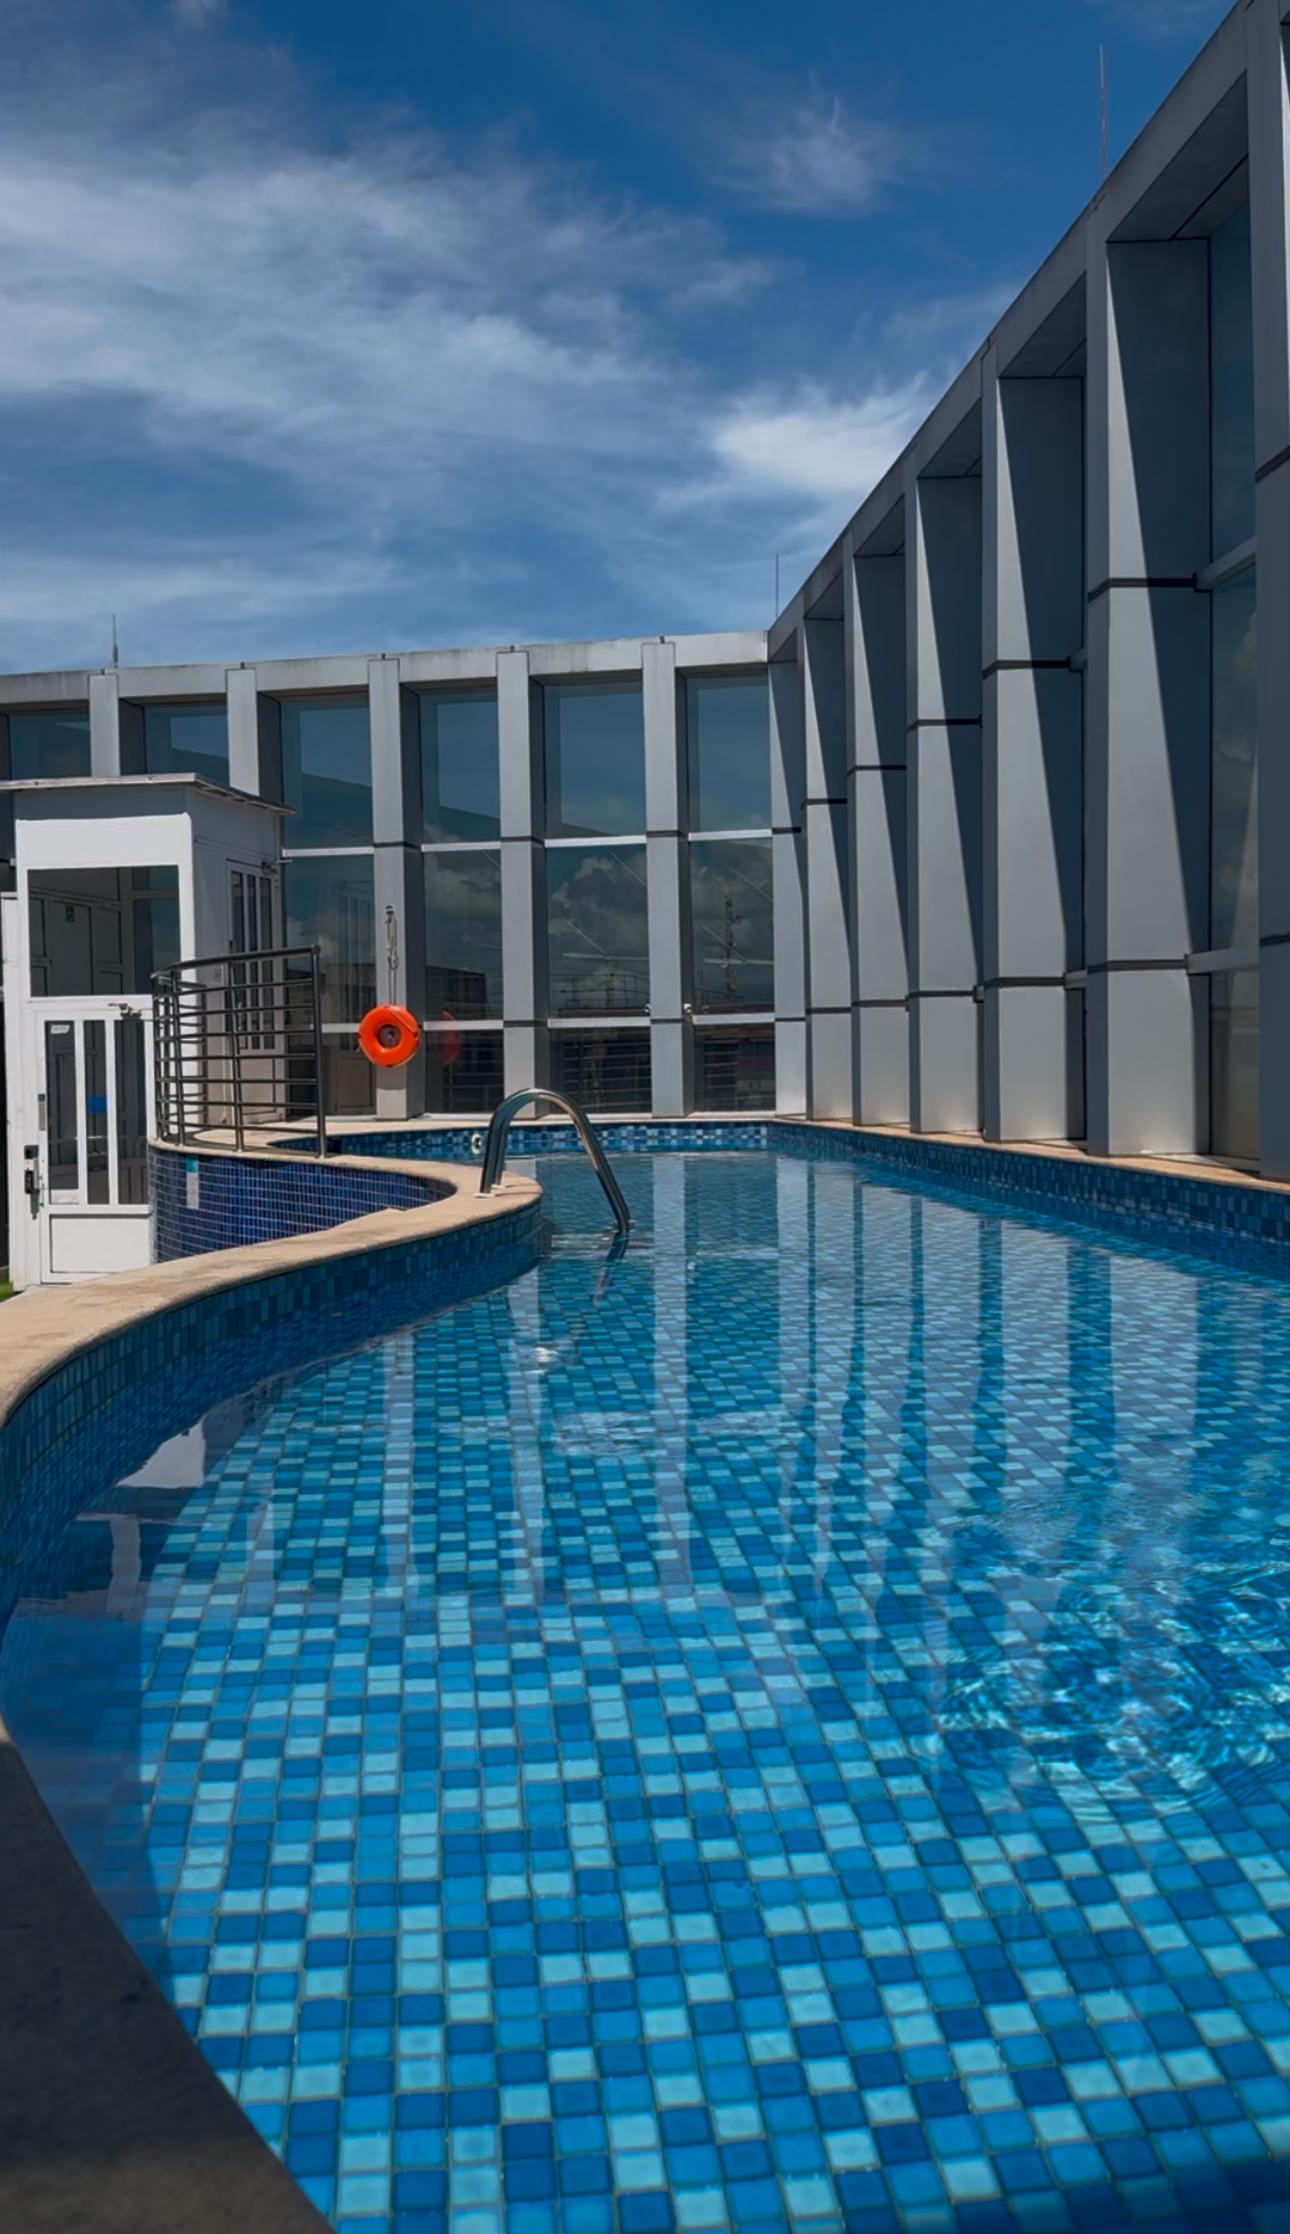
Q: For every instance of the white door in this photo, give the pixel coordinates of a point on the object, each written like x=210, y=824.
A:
x=91, y=1068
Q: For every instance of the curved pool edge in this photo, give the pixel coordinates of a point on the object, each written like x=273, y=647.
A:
x=110, y=2115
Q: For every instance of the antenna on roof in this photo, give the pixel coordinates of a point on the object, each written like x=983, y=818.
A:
x=116, y=649
x=1103, y=110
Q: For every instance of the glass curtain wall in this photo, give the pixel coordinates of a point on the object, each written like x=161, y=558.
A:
x=731, y=960
x=462, y=868
x=329, y=877
x=329, y=903
x=1234, y=867
x=187, y=740
x=594, y=752
x=327, y=772
x=49, y=745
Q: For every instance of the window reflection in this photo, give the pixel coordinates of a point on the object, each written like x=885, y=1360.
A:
x=187, y=740
x=734, y=1069
x=463, y=1072
x=597, y=929
x=732, y=917
x=331, y=905
x=602, y=1070
x=459, y=766
x=727, y=732
x=327, y=772
x=594, y=736
x=463, y=934
x=48, y=745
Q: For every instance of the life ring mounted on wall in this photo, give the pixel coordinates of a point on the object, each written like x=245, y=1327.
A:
x=389, y=1036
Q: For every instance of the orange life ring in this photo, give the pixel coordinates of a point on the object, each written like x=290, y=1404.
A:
x=389, y=1037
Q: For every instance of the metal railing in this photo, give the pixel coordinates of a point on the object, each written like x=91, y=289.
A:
x=239, y=1044
x=499, y=1132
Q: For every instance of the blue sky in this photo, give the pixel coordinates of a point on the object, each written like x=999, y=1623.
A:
x=333, y=326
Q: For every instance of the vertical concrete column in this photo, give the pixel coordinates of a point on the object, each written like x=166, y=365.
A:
x=943, y=657
x=788, y=887
x=1269, y=122
x=1147, y=714
x=1033, y=748
x=524, y=961
x=254, y=736
x=116, y=729
x=667, y=867
x=873, y=616
x=824, y=822
x=400, y=885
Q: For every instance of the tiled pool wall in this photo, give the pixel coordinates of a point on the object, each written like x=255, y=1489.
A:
x=106, y=1410
x=208, y=1201
x=1227, y=1220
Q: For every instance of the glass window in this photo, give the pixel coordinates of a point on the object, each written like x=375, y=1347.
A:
x=463, y=934
x=1234, y=816
x=1231, y=351
x=63, y=1138
x=348, y=1078
x=731, y=917
x=48, y=745
x=332, y=905
x=101, y=930
x=595, y=759
x=187, y=741
x=97, y=1173
x=602, y=1070
x=131, y=1110
x=1234, y=1064
x=327, y=772
x=727, y=732
x=459, y=766
x=734, y=1069
x=463, y=1073
x=597, y=929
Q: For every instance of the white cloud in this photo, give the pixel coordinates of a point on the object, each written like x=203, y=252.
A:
x=814, y=160
x=317, y=396
x=197, y=13
x=818, y=448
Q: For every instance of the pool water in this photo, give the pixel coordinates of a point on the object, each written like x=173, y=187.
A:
x=786, y=1729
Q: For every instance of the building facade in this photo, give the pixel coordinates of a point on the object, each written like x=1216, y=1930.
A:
x=990, y=834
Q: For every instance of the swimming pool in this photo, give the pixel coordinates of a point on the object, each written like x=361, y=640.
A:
x=786, y=1729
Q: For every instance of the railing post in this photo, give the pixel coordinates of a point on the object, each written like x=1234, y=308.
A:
x=181, y=1084
x=316, y=990
x=236, y=1011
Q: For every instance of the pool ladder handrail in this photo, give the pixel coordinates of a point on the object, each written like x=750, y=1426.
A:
x=499, y=1132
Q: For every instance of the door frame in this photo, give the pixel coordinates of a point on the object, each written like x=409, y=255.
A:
x=73, y=1204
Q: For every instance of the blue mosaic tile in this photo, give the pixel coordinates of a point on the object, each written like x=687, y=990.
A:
x=208, y=1201
x=786, y=1729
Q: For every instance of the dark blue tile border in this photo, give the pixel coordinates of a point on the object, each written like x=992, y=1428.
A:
x=208, y=1201
x=1232, y=1221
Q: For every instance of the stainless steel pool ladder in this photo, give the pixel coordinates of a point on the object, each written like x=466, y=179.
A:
x=499, y=1133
